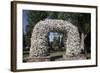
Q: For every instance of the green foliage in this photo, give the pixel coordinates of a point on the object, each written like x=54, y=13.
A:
x=32, y=18
x=52, y=15
x=84, y=23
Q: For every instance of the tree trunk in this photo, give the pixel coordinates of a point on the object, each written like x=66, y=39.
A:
x=82, y=41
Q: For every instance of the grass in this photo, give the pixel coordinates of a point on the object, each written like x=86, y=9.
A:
x=59, y=53
x=52, y=54
x=26, y=53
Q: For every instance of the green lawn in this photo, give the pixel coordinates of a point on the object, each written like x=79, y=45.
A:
x=59, y=53
x=52, y=54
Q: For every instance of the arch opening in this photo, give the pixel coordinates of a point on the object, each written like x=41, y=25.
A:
x=56, y=46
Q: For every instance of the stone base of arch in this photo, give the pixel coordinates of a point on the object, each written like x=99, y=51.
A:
x=39, y=59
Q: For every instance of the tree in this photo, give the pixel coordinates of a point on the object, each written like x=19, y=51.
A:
x=52, y=15
x=81, y=20
x=84, y=25
x=62, y=41
x=55, y=43
x=32, y=18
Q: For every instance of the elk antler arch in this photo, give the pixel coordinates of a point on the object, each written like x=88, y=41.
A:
x=39, y=39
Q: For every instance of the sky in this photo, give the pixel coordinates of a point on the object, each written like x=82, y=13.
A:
x=52, y=35
x=24, y=19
